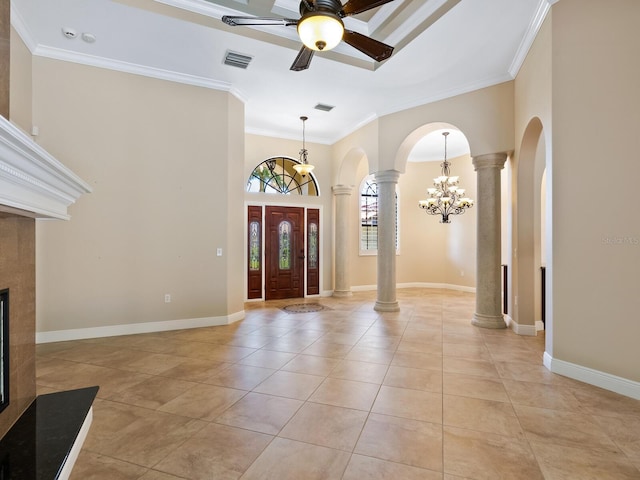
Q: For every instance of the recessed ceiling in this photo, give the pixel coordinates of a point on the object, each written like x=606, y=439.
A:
x=442, y=48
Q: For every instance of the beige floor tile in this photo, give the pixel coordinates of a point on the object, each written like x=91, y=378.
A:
x=597, y=401
x=203, y=401
x=376, y=341
x=568, y=463
x=418, y=360
x=624, y=431
x=208, y=372
x=476, y=352
x=260, y=413
x=467, y=366
x=243, y=377
x=216, y=452
x=483, y=456
x=330, y=350
x=563, y=428
x=361, y=467
x=401, y=440
x=413, y=404
x=312, y=365
x=475, y=387
x=481, y=415
x=371, y=355
x=291, y=345
x=359, y=371
x=325, y=425
x=542, y=395
x=289, y=384
x=156, y=475
x=153, y=392
x=267, y=359
x=346, y=393
x=92, y=466
x=419, y=347
x=195, y=369
x=287, y=459
x=148, y=439
x=414, y=378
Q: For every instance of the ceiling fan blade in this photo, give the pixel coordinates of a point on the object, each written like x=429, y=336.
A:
x=303, y=60
x=237, y=21
x=377, y=50
x=353, y=7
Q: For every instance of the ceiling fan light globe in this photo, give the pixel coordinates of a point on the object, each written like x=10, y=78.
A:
x=320, y=31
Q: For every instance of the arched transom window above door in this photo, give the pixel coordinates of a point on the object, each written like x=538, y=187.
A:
x=277, y=175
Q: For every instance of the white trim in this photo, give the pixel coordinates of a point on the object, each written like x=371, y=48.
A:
x=528, y=330
x=597, y=378
x=447, y=286
x=70, y=461
x=133, y=328
x=31, y=179
x=539, y=325
x=530, y=36
x=21, y=28
x=326, y=293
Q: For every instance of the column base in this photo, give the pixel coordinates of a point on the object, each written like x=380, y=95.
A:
x=386, y=306
x=488, y=321
x=342, y=293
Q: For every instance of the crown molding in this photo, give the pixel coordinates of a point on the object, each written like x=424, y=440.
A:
x=32, y=181
x=20, y=26
x=527, y=41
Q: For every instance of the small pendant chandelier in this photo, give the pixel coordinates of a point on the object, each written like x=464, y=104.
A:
x=445, y=198
x=304, y=167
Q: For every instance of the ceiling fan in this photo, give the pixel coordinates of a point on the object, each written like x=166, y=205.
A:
x=320, y=28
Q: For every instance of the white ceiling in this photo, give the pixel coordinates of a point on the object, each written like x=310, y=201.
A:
x=443, y=48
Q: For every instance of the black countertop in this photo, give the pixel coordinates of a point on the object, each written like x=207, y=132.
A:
x=37, y=445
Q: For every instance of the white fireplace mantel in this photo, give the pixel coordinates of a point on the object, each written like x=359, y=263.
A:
x=32, y=182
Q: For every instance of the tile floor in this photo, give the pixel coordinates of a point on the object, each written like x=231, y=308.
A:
x=345, y=393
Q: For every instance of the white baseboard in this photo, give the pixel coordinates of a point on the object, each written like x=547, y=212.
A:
x=539, y=325
x=447, y=286
x=133, y=328
x=604, y=380
x=528, y=330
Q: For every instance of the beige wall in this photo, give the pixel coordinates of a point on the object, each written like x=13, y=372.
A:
x=596, y=244
x=533, y=128
x=160, y=160
x=21, y=75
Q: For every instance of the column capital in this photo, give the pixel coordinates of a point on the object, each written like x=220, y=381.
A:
x=387, y=176
x=490, y=160
x=342, y=189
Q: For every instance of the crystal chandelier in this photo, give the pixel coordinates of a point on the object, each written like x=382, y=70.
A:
x=445, y=198
x=304, y=167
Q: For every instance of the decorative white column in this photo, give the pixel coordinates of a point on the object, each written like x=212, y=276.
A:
x=386, y=182
x=342, y=287
x=488, y=305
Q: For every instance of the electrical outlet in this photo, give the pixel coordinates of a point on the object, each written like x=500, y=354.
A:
x=219, y=252
x=167, y=298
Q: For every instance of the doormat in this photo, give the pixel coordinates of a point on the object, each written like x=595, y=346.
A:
x=304, y=308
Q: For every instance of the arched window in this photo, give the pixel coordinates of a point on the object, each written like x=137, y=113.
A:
x=369, y=217
x=277, y=175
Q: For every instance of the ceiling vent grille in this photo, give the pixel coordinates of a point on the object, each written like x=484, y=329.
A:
x=235, y=59
x=324, y=107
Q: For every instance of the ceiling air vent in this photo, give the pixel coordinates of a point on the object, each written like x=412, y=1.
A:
x=324, y=107
x=235, y=59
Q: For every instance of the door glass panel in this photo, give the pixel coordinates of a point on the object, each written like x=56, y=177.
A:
x=284, y=245
x=254, y=246
x=313, y=245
